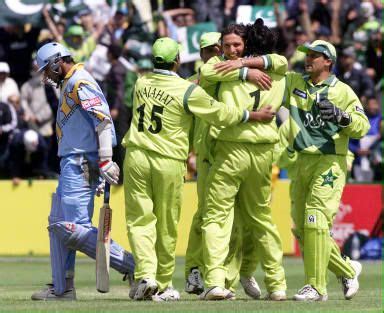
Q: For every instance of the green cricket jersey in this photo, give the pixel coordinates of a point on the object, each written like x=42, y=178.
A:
x=308, y=132
x=163, y=109
x=245, y=95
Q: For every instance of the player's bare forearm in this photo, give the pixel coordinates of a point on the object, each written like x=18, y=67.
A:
x=231, y=65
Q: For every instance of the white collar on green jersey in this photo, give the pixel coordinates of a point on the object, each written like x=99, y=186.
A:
x=165, y=72
x=330, y=81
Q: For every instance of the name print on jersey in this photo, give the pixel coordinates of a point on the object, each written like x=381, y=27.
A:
x=157, y=94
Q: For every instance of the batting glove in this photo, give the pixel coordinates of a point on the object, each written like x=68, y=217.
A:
x=110, y=171
x=330, y=112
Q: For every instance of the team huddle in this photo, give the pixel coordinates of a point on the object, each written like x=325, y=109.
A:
x=230, y=108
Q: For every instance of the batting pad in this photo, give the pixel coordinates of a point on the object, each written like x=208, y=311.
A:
x=58, y=251
x=317, y=249
x=83, y=239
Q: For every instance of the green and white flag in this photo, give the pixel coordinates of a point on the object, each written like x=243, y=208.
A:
x=20, y=12
x=189, y=38
x=248, y=14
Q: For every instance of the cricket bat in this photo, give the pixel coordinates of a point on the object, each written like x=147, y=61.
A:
x=103, y=243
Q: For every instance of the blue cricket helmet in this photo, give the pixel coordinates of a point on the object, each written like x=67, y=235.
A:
x=49, y=53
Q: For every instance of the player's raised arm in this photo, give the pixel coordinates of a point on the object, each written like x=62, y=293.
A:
x=270, y=62
x=210, y=73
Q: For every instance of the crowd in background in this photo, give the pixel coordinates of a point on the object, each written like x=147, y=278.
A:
x=114, y=41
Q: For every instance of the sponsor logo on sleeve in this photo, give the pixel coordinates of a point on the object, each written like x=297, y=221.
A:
x=359, y=109
x=89, y=103
x=300, y=93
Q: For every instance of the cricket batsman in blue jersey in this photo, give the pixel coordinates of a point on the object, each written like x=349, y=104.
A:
x=85, y=135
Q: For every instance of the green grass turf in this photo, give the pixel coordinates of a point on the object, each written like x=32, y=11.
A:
x=19, y=277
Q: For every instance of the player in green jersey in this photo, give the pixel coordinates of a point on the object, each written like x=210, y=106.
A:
x=157, y=148
x=324, y=114
x=241, y=170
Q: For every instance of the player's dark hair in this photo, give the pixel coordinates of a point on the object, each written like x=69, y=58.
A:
x=237, y=29
x=165, y=66
x=260, y=39
x=162, y=65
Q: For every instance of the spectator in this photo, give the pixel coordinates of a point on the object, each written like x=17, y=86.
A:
x=18, y=42
x=114, y=30
x=79, y=43
x=28, y=156
x=366, y=166
x=352, y=74
x=208, y=11
x=296, y=62
x=321, y=18
x=365, y=26
x=85, y=19
x=8, y=122
x=115, y=80
x=374, y=55
x=38, y=112
x=8, y=85
x=135, y=28
x=14, y=101
x=115, y=98
x=177, y=18
x=349, y=15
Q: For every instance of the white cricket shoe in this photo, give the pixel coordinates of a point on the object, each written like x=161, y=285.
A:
x=308, y=293
x=194, y=283
x=169, y=294
x=146, y=288
x=48, y=294
x=217, y=293
x=251, y=287
x=278, y=295
x=351, y=285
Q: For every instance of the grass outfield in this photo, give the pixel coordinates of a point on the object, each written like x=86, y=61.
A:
x=19, y=277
